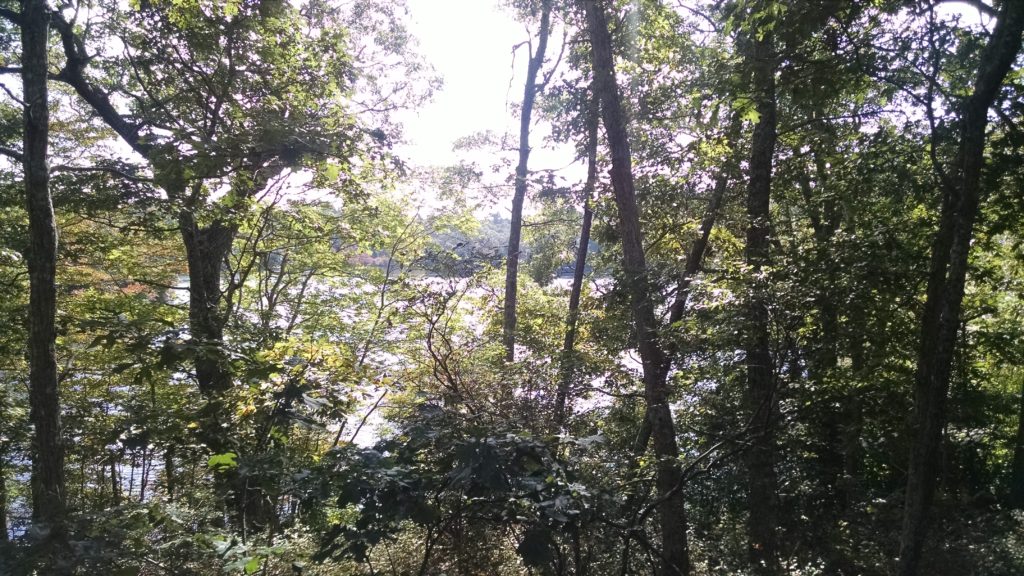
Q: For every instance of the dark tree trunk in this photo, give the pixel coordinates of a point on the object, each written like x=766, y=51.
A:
x=170, y=474
x=853, y=425
x=206, y=249
x=115, y=483
x=4, y=535
x=144, y=479
x=568, y=366
x=669, y=482
x=940, y=321
x=48, y=496
x=522, y=174
x=761, y=397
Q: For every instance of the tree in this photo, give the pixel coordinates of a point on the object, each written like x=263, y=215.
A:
x=572, y=319
x=671, y=511
x=531, y=88
x=941, y=321
x=762, y=393
x=48, y=496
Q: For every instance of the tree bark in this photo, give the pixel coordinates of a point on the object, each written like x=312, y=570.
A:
x=761, y=401
x=522, y=173
x=940, y=321
x=47, y=483
x=115, y=482
x=568, y=365
x=206, y=249
x=4, y=535
x=669, y=482
x=170, y=473
x=48, y=495
x=839, y=414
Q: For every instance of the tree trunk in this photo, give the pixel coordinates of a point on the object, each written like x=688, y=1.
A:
x=206, y=248
x=144, y=479
x=115, y=483
x=568, y=366
x=669, y=482
x=761, y=383
x=940, y=321
x=170, y=477
x=48, y=496
x=4, y=535
x=522, y=173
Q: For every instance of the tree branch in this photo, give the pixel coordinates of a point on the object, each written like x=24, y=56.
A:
x=11, y=16
x=72, y=74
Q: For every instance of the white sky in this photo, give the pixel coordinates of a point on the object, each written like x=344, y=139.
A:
x=469, y=43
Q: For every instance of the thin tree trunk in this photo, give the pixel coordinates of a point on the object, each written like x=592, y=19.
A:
x=695, y=258
x=145, y=474
x=568, y=366
x=131, y=478
x=4, y=536
x=48, y=494
x=669, y=482
x=694, y=262
x=115, y=483
x=522, y=173
x=840, y=414
x=170, y=477
x=762, y=483
x=950, y=250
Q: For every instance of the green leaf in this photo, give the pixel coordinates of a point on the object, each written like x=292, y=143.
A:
x=252, y=565
x=222, y=462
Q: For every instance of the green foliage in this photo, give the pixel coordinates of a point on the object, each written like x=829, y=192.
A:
x=371, y=424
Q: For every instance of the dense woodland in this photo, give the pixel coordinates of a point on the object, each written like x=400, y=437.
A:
x=770, y=323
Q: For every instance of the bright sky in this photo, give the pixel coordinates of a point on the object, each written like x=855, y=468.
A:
x=469, y=42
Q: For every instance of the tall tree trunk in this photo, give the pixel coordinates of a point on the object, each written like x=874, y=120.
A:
x=568, y=365
x=669, y=483
x=522, y=173
x=950, y=250
x=48, y=496
x=762, y=483
x=677, y=310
